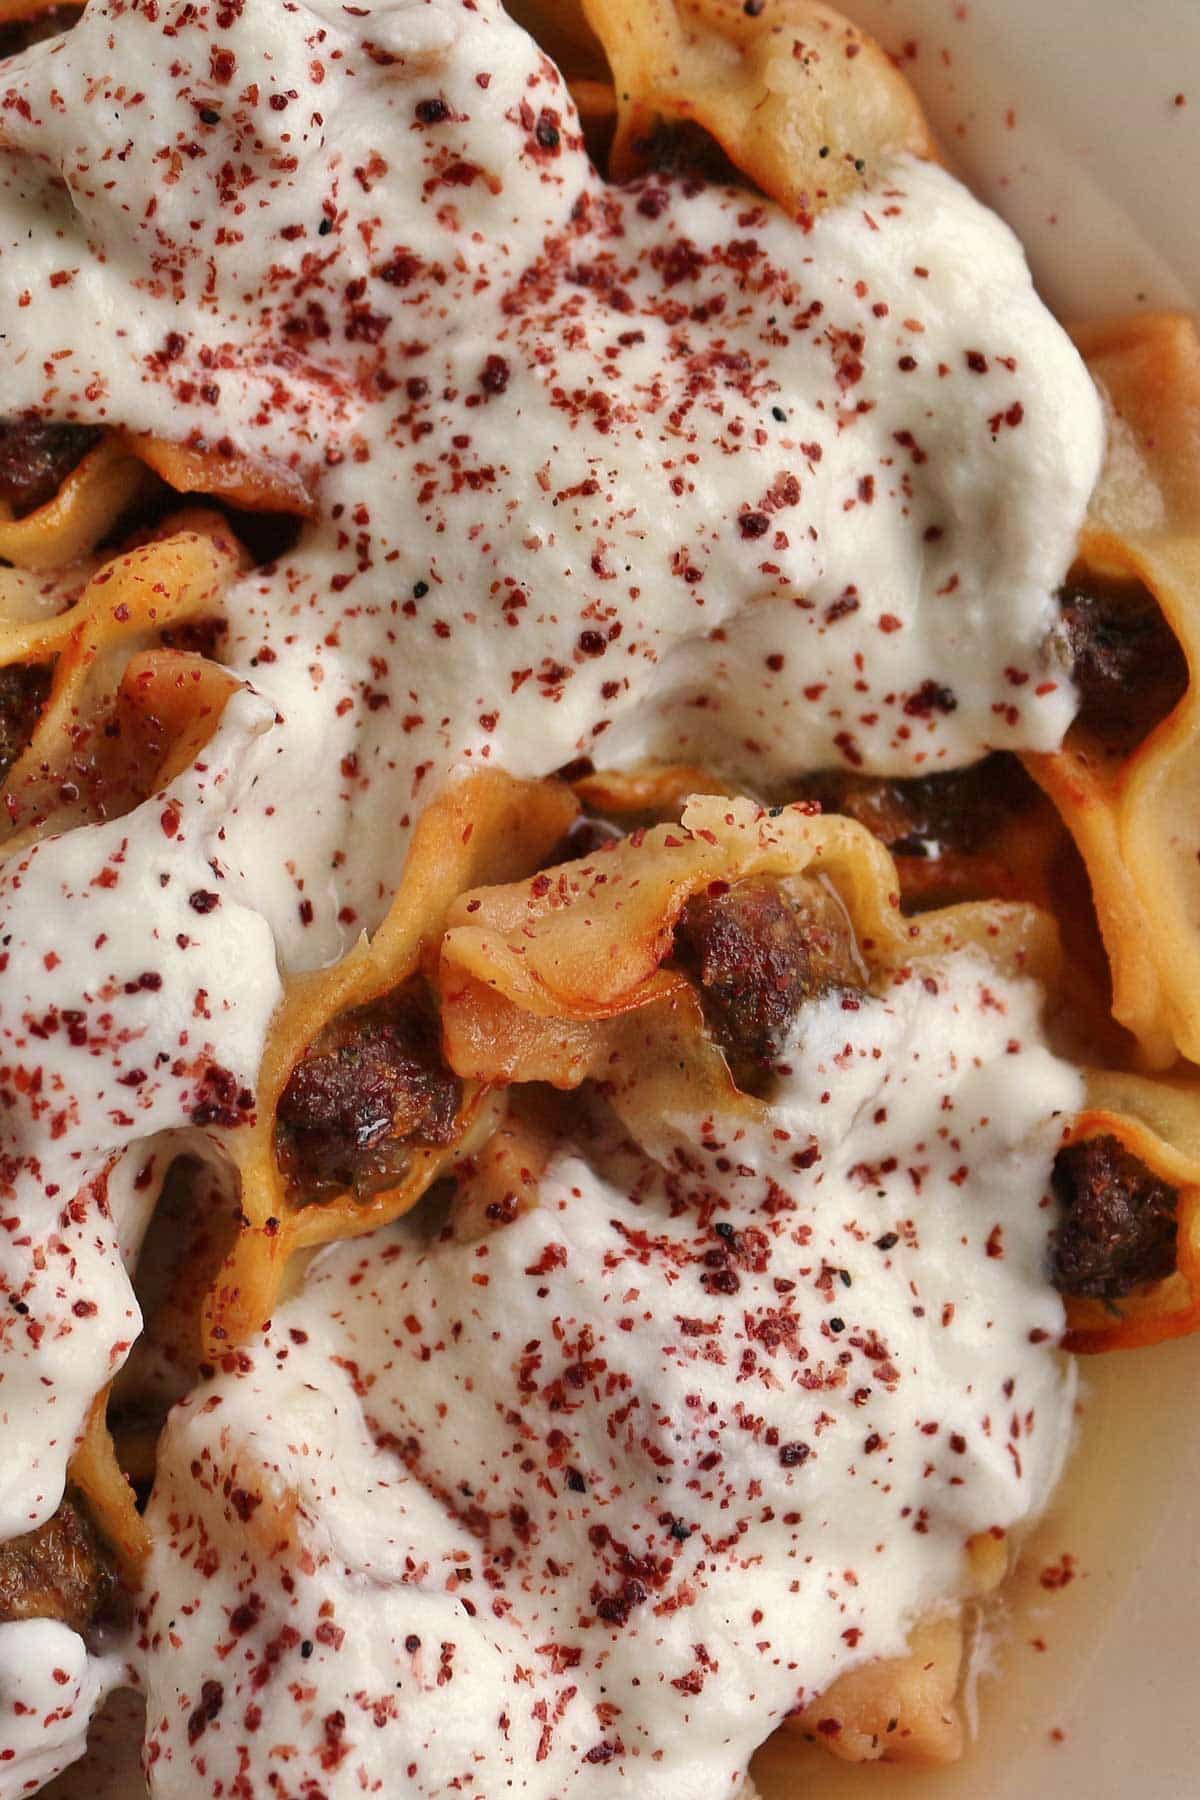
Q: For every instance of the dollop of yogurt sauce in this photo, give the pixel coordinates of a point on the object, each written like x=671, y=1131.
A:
x=589, y=1505
x=617, y=473
x=49, y=1688
x=599, y=472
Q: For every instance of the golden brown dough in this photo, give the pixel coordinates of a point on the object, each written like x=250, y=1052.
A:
x=801, y=101
x=901, y=1711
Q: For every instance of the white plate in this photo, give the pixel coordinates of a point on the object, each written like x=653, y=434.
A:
x=1062, y=115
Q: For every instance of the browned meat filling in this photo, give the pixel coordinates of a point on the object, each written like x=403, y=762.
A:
x=1128, y=664
x=758, y=951
x=23, y=690
x=576, y=769
x=36, y=457
x=60, y=1571
x=267, y=536
x=585, y=837
x=681, y=147
x=1119, y=1222
x=932, y=814
x=373, y=1085
x=202, y=637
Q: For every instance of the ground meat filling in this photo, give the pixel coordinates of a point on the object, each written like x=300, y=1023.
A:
x=1119, y=1222
x=584, y=838
x=23, y=691
x=372, y=1087
x=36, y=457
x=758, y=951
x=60, y=1571
x=1127, y=662
x=199, y=637
x=680, y=147
x=933, y=815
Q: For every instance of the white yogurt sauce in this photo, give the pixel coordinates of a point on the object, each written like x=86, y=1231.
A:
x=126, y=1009
x=596, y=472
x=588, y=1506
x=49, y=1689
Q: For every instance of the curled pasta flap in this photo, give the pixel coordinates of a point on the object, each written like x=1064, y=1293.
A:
x=500, y=1182
x=105, y=658
x=1146, y=366
x=906, y=1709
x=256, y=483
x=1156, y=808
x=536, y=976
x=653, y=792
x=485, y=827
x=98, y=1475
x=897, y=1709
x=125, y=467
x=1159, y=1122
x=29, y=597
x=166, y=707
x=775, y=90
x=86, y=507
x=1132, y=815
x=150, y=586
